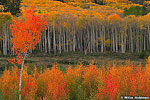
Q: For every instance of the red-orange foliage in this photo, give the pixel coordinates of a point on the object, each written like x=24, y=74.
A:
x=26, y=33
x=114, y=18
x=56, y=85
x=92, y=79
x=110, y=89
x=29, y=86
x=9, y=83
x=78, y=83
x=51, y=85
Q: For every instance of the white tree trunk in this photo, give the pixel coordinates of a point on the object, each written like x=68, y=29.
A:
x=54, y=40
x=45, y=41
x=49, y=41
x=4, y=39
x=22, y=65
x=60, y=41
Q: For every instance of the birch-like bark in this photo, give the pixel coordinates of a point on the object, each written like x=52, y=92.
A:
x=49, y=40
x=140, y=37
x=64, y=40
x=40, y=44
x=45, y=41
x=131, y=40
x=22, y=65
x=122, y=43
x=60, y=41
x=91, y=42
x=67, y=40
x=81, y=42
x=116, y=39
x=97, y=40
x=144, y=42
x=54, y=40
x=93, y=38
x=74, y=40
x=8, y=41
x=102, y=44
x=137, y=40
x=113, y=41
x=4, y=39
x=104, y=36
x=125, y=42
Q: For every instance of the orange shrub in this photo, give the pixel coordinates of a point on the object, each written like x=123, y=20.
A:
x=92, y=78
x=56, y=85
x=90, y=82
x=29, y=86
x=110, y=89
x=73, y=79
x=51, y=85
x=9, y=84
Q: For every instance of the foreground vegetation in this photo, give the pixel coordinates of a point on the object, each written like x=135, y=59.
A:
x=89, y=82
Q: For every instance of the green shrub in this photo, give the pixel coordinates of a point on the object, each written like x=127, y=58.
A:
x=143, y=55
x=135, y=10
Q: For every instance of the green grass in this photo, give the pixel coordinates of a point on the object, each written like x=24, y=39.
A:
x=74, y=58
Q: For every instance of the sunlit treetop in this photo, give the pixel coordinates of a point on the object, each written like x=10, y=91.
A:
x=5, y=18
x=114, y=18
x=147, y=17
x=131, y=20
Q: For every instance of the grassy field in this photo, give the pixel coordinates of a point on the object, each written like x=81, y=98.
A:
x=74, y=58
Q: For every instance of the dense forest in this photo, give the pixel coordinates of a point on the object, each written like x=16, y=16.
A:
x=116, y=26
